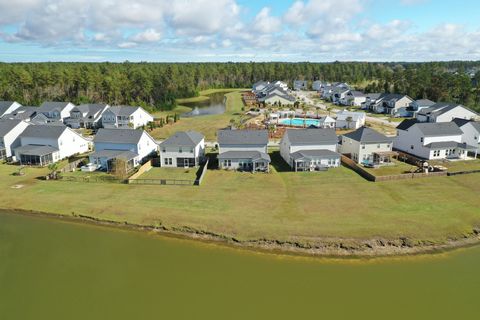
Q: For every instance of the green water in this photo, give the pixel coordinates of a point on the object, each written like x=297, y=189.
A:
x=51, y=269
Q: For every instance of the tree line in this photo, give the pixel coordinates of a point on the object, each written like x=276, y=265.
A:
x=158, y=85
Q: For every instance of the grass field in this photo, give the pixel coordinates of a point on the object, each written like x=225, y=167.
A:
x=459, y=166
x=398, y=168
x=170, y=173
x=208, y=125
x=282, y=205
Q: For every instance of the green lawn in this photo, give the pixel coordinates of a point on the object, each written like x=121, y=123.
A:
x=170, y=173
x=459, y=166
x=208, y=125
x=284, y=205
x=398, y=168
x=81, y=174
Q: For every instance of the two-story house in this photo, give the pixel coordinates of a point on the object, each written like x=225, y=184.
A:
x=10, y=131
x=183, y=149
x=353, y=98
x=41, y=145
x=125, y=117
x=350, y=120
x=244, y=150
x=432, y=140
x=392, y=104
x=55, y=111
x=300, y=85
x=132, y=146
x=86, y=116
x=418, y=105
x=7, y=107
x=471, y=133
x=367, y=146
x=310, y=149
x=446, y=112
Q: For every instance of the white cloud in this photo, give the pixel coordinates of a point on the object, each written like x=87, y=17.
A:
x=265, y=23
x=127, y=45
x=149, y=35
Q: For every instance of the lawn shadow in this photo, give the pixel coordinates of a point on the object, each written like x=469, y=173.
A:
x=278, y=163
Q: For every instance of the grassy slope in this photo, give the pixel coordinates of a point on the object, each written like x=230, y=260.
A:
x=208, y=125
x=280, y=205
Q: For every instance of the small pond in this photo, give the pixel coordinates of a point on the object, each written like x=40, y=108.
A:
x=212, y=106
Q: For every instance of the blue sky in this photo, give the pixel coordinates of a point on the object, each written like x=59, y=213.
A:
x=239, y=30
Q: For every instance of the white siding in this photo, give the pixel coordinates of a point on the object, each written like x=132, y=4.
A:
x=11, y=140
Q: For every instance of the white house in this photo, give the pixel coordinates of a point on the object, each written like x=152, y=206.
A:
x=7, y=107
x=392, y=104
x=86, y=116
x=370, y=100
x=446, y=112
x=125, y=117
x=55, y=111
x=419, y=105
x=132, y=146
x=10, y=131
x=350, y=120
x=432, y=141
x=278, y=99
x=339, y=94
x=45, y=144
x=367, y=146
x=259, y=86
x=327, y=122
x=183, y=149
x=353, y=98
x=471, y=133
x=318, y=85
x=310, y=149
x=245, y=150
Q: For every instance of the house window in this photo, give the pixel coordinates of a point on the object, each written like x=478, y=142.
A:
x=436, y=153
x=164, y=150
x=421, y=140
x=378, y=146
x=180, y=150
x=363, y=146
x=412, y=147
x=168, y=161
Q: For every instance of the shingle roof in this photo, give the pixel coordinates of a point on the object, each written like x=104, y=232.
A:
x=243, y=137
x=448, y=145
x=367, y=135
x=439, y=128
x=4, y=105
x=90, y=109
x=343, y=115
x=425, y=102
x=406, y=124
x=52, y=105
x=43, y=131
x=253, y=155
x=184, y=138
x=314, y=154
x=311, y=136
x=7, y=125
x=441, y=108
x=35, y=150
x=123, y=110
x=461, y=122
x=119, y=136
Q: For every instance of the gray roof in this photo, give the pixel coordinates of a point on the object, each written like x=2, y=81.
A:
x=52, y=105
x=184, y=138
x=114, y=154
x=314, y=154
x=367, y=135
x=90, y=109
x=441, y=108
x=7, y=125
x=392, y=96
x=461, y=122
x=311, y=136
x=253, y=155
x=127, y=136
x=357, y=93
x=243, y=137
x=35, y=150
x=373, y=96
x=274, y=94
x=430, y=129
x=43, y=131
x=448, y=145
x=425, y=102
x=123, y=110
x=4, y=105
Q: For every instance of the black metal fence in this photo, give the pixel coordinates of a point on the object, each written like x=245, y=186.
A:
x=92, y=179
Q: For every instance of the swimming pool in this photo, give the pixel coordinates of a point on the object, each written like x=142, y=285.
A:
x=299, y=122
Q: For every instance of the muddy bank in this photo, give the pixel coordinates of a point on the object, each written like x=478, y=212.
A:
x=321, y=247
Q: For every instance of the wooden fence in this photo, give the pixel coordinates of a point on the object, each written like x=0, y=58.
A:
x=203, y=172
x=462, y=172
x=162, y=182
x=370, y=177
x=71, y=166
x=92, y=179
x=144, y=168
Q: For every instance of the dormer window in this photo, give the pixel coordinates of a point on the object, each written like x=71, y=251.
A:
x=421, y=139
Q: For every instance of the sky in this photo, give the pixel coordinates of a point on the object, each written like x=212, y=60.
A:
x=239, y=30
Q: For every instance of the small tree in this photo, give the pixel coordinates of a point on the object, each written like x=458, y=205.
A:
x=53, y=167
x=120, y=168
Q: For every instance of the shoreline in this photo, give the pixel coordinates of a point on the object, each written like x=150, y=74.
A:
x=337, y=248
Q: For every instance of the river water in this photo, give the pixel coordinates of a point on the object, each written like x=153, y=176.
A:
x=51, y=269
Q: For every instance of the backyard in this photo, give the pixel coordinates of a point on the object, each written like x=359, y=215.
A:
x=170, y=173
x=396, y=168
x=282, y=205
x=458, y=166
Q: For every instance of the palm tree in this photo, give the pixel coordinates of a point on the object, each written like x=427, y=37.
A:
x=304, y=111
x=318, y=110
x=291, y=115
